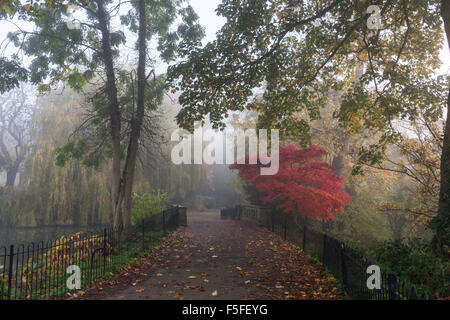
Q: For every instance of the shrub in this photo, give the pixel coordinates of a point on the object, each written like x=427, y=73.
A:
x=414, y=262
x=148, y=204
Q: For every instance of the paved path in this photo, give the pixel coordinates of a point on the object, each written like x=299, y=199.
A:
x=219, y=259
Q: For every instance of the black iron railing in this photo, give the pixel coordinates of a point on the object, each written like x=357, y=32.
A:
x=346, y=264
x=39, y=270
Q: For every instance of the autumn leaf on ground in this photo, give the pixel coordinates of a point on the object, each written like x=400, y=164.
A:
x=274, y=269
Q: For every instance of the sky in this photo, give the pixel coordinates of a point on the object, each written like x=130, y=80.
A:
x=208, y=18
x=212, y=23
x=204, y=8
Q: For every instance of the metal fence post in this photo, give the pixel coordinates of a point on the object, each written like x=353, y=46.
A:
x=10, y=270
x=324, y=249
x=284, y=227
x=164, y=221
x=392, y=281
x=273, y=222
x=104, y=251
x=343, y=266
x=143, y=235
x=304, y=236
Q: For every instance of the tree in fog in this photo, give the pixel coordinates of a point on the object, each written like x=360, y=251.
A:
x=92, y=51
x=16, y=110
x=298, y=50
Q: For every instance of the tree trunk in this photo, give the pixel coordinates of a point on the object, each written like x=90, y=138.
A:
x=441, y=223
x=338, y=164
x=114, y=116
x=11, y=175
x=77, y=178
x=136, y=122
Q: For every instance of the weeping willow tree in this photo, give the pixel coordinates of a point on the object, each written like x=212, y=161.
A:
x=49, y=194
x=77, y=194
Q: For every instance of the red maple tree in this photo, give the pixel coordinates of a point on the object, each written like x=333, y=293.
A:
x=303, y=184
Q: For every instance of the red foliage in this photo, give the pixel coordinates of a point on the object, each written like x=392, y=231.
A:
x=303, y=184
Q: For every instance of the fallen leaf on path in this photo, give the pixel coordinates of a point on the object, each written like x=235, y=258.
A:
x=214, y=294
x=140, y=290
